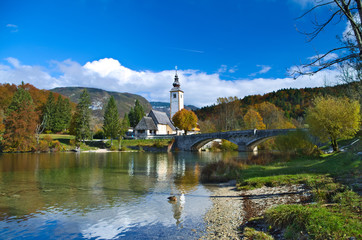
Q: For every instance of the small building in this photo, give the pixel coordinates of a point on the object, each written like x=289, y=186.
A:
x=155, y=124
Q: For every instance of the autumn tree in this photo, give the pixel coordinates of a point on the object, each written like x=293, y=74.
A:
x=351, y=49
x=185, y=120
x=20, y=123
x=229, y=113
x=331, y=118
x=273, y=117
x=207, y=126
x=82, y=117
x=111, y=123
x=253, y=120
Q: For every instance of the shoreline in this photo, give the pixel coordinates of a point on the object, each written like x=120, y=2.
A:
x=232, y=209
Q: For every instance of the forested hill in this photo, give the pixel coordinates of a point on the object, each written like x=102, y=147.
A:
x=293, y=102
x=99, y=97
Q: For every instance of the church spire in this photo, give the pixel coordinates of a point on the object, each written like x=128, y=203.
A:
x=176, y=83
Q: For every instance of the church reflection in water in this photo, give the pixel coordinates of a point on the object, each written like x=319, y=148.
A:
x=131, y=189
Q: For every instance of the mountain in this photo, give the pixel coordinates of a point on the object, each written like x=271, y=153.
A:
x=165, y=107
x=99, y=98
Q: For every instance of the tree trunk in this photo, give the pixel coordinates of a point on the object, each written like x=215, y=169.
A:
x=335, y=145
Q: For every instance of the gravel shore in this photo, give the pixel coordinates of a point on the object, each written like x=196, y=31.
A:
x=232, y=209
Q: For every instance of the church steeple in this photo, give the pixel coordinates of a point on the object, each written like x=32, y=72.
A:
x=176, y=96
x=176, y=83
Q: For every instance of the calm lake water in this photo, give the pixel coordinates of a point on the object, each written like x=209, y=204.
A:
x=103, y=195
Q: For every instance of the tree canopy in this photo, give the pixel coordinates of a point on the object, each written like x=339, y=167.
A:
x=331, y=118
x=185, y=120
x=136, y=114
x=20, y=123
x=253, y=120
x=82, y=117
x=111, y=123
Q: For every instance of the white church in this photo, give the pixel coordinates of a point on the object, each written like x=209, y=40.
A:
x=158, y=124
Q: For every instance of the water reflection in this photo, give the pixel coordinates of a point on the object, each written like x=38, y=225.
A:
x=102, y=195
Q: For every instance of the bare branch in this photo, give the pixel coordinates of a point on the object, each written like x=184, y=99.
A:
x=315, y=7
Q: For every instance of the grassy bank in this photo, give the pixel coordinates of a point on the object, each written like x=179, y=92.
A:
x=335, y=210
x=67, y=142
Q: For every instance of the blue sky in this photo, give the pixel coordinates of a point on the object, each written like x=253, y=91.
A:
x=222, y=48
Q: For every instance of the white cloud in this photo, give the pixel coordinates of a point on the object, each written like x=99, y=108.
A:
x=264, y=69
x=200, y=88
x=13, y=27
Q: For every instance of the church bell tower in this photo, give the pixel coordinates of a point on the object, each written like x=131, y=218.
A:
x=176, y=97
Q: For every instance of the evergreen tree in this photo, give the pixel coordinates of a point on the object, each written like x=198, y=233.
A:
x=111, y=124
x=62, y=115
x=124, y=125
x=20, y=123
x=67, y=113
x=82, y=117
x=49, y=112
x=136, y=114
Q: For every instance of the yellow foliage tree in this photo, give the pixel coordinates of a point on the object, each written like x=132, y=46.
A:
x=273, y=117
x=185, y=120
x=331, y=118
x=253, y=120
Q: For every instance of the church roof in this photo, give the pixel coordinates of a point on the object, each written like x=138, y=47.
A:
x=146, y=123
x=161, y=118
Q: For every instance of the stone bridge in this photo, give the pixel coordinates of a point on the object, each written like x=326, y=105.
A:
x=246, y=140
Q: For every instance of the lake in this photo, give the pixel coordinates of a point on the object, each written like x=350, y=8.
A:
x=103, y=195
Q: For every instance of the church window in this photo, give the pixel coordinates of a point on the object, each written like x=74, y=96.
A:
x=174, y=95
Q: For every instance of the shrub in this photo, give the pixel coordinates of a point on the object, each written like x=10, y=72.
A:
x=72, y=142
x=158, y=144
x=56, y=146
x=113, y=148
x=43, y=146
x=297, y=142
x=99, y=134
x=228, y=146
x=108, y=144
x=48, y=139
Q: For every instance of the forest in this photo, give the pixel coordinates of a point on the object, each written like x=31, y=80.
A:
x=285, y=108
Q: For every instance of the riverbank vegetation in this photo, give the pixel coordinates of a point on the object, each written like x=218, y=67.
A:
x=334, y=181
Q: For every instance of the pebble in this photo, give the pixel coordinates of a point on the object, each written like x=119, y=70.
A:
x=228, y=213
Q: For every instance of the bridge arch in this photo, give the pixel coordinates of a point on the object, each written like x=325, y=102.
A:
x=197, y=145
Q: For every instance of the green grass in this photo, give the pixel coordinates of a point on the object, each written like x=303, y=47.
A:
x=57, y=136
x=252, y=234
x=337, y=164
x=337, y=210
x=146, y=142
x=315, y=221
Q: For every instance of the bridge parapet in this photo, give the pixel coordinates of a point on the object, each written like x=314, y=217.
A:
x=246, y=139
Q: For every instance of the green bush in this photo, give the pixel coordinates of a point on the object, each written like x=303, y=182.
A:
x=228, y=146
x=108, y=144
x=99, y=135
x=113, y=148
x=297, y=143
